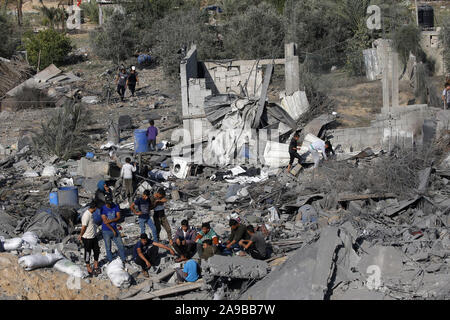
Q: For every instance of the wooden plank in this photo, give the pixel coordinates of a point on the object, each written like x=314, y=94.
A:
x=352, y=197
x=168, y=291
x=262, y=98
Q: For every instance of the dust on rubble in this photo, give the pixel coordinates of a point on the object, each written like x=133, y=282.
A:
x=48, y=284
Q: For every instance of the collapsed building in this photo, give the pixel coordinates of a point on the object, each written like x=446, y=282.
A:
x=326, y=243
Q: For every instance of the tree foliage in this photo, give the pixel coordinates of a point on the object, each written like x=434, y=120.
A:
x=180, y=29
x=115, y=39
x=255, y=33
x=62, y=134
x=9, y=37
x=46, y=47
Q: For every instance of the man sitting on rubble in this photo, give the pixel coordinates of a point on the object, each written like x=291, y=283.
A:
x=256, y=246
x=208, y=249
x=145, y=253
x=189, y=273
x=144, y=206
x=238, y=233
x=206, y=233
x=184, y=241
x=316, y=148
x=88, y=235
x=293, y=154
x=110, y=216
x=159, y=216
x=103, y=194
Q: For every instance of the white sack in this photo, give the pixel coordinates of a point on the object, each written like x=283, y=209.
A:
x=12, y=244
x=117, y=274
x=39, y=260
x=67, y=266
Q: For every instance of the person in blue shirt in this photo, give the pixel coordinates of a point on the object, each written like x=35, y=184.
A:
x=144, y=205
x=111, y=215
x=189, y=273
x=146, y=251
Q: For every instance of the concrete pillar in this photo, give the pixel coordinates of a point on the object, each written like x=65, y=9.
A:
x=291, y=68
x=100, y=15
x=394, y=64
x=385, y=80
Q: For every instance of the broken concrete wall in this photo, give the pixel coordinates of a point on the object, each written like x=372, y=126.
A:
x=429, y=42
x=90, y=169
x=373, y=70
x=404, y=126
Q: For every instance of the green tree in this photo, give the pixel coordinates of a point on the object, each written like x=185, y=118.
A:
x=181, y=29
x=115, y=39
x=9, y=37
x=46, y=47
x=62, y=134
x=256, y=33
x=406, y=39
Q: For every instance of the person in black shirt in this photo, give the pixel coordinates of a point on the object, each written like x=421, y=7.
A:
x=293, y=147
x=132, y=80
x=145, y=253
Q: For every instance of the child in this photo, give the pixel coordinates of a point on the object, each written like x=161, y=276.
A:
x=152, y=132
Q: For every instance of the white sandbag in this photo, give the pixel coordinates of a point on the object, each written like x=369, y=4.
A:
x=12, y=244
x=34, y=261
x=117, y=274
x=67, y=266
x=30, y=238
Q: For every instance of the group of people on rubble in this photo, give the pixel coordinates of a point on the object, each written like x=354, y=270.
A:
x=185, y=243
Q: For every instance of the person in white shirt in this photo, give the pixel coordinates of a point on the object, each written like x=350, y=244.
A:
x=446, y=95
x=127, y=175
x=316, y=148
x=88, y=236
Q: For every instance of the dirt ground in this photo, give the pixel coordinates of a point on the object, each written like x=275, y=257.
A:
x=47, y=284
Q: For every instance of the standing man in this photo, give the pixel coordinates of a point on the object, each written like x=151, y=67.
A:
x=88, y=236
x=446, y=95
x=293, y=154
x=132, y=80
x=159, y=216
x=184, y=241
x=145, y=253
x=238, y=233
x=256, y=246
x=126, y=173
x=144, y=205
x=316, y=148
x=206, y=233
x=121, y=81
x=110, y=216
x=152, y=132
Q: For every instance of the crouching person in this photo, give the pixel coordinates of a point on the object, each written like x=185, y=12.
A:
x=256, y=246
x=146, y=253
x=88, y=236
x=184, y=241
x=189, y=273
x=207, y=233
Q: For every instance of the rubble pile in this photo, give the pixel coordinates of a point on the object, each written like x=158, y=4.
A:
x=345, y=230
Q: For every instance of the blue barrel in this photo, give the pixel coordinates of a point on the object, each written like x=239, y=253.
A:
x=140, y=141
x=68, y=196
x=53, y=198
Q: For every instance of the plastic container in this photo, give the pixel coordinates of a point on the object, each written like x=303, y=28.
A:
x=68, y=196
x=140, y=141
x=53, y=198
